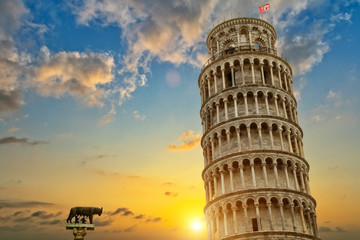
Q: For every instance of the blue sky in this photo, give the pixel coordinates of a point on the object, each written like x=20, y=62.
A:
x=96, y=91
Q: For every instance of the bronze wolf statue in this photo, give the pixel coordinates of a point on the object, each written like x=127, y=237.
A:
x=84, y=211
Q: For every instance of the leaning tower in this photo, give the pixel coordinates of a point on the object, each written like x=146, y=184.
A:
x=255, y=174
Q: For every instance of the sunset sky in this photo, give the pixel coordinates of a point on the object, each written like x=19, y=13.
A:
x=99, y=106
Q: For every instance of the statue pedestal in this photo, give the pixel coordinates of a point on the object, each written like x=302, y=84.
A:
x=80, y=229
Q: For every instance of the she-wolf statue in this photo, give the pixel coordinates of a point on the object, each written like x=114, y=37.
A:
x=84, y=211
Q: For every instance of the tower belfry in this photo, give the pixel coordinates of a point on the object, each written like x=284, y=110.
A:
x=255, y=175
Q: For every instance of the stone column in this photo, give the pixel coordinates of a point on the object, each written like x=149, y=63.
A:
x=295, y=178
x=225, y=211
x=281, y=138
x=252, y=72
x=260, y=137
x=272, y=75
x=235, y=107
x=208, y=152
x=222, y=181
x=217, y=214
x=257, y=215
x=241, y=168
x=270, y=216
x=310, y=223
x=286, y=176
x=262, y=73
x=232, y=76
x=265, y=174
x=307, y=184
x=282, y=216
x=286, y=85
x=256, y=104
x=212, y=229
x=271, y=137
x=220, y=145
x=246, y=217
x=234, y=209
x=296, y=146
x=246, y=105
x=276, y=174
x=226, y=110
x=223, y=77
x=289, y=141
x=303, y=188
x=293, y=217
x=302, y=218
x=279, y=76
x=238, y=39
x=238, y=138
x=284, y=108
x=206, y=192
x=217, y=113
x=212, y=149
x=276, y=106
x=210, y=190
x=242, y=73
x=267, y=104
x=253, y=174
x=231, y=179
x=249, y=136
x=209, y=86
x=215, y=83
x=215, y=185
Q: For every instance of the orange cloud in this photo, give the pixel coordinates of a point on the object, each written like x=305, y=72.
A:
x=189, y=141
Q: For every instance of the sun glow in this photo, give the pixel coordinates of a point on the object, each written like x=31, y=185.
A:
x=197, y=226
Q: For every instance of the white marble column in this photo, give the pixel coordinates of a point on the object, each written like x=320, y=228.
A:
x=246, y=105
x=210, y=190
x=303, y=187
x=279, y=76
x=252, y=165
x=252, y=72
x=286, y=176
x=267, y=104
x=277, y=107
x=256, y=104
x=257, y=215
x=238, y=138
x=293, y=217
x=220, y=145
x=271, y=137
x=231, y=179
x=260, y=137
x=222, y=181
x=241, y=169
x=295, y=178
x=215, y=83
x=235, y=107
x=212, y=149
x=281, y=138
x=289, y=141
x=262, y=73
x=217, y=113
x=282, y=216
x=246, y=220
x=223, y=77
x=226, y=110
x=242, y=73
x=284, y=108
x=249, y=136
x=272, y=75
x=265, y=174
x=276, y=174
x=270, y=216
x=234, y=209
x=225, y=211
x=286, y=85
x=302, y=218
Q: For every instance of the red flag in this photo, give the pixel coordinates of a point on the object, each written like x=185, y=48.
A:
x=264, y=8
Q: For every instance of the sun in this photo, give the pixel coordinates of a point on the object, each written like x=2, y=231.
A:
x=197, y=226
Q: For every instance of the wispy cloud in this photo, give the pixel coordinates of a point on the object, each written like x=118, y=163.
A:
x=189, y=141
x=13, y=129
x=25, y=141
x=138, y=116
x=108, y=118
x=24, y=204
